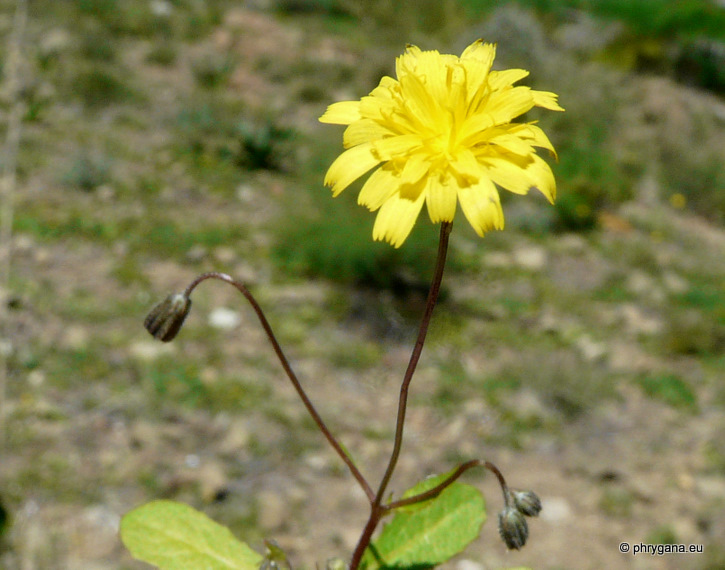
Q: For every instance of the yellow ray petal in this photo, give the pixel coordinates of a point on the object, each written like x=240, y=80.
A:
x=474, y=126
x=497, y=80
x=477, y=60
x=434, y=71
x=390, y=147
x=509, y=175
x=512, y=143
x=381, y=185
x=362, y=131
x=350, y=166
x=509, y=103
x=537, y=137
x=481, y=206
x=481, y=53
x=547, y=100
x=542, y=178
x=414, y=169
x=441, y=199
x=396, y=219
x=466, y=168
x=342, y=113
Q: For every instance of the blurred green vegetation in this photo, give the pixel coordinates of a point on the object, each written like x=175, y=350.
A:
x=670, y=389
x=319, y=245
x=645, y=17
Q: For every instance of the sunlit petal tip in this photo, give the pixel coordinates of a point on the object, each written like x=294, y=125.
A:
x=396, y=219
x=549, y=194
x=547, y=100
x=480, y=50
x=342, y=113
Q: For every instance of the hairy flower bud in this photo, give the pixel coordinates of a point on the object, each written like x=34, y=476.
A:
x=513, y=528
x=165, y=319
x=527, y=502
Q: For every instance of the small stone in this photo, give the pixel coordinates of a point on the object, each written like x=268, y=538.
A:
x=686, y=482
x=23, y=244
x=236, y=438
x=161, y=8
x=36, y=378
x=317, y=461
x=272, y=510
x=469, y=565
x=640, y=283
x=590, y=349
x=196, y=254
x=675, y=284
x=225, y=254
x=531, y=258
x=213, y=482
x=106, y=192
x=55, y=42
x=573, y=243
x=528, y=403
x=209, y=376
x=245, y=193
x=711, y=487
x=637, y=322
x=192, y=461
x=148, y=350
x=224, y=319
x=497, y=259
x=555, y=510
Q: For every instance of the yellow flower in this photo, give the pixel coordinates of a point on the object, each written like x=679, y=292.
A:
x=441, y=133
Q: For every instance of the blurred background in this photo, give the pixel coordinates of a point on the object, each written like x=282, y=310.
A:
x=581, y=349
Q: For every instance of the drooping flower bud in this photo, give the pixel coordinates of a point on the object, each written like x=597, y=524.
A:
x=165, y=319
x=513, y=528
x=527, y=502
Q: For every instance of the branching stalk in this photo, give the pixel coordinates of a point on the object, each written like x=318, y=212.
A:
x=377, y=509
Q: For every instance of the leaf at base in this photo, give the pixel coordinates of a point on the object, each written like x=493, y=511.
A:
x=174, y=536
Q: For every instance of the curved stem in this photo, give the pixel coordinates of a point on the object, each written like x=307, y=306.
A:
x=501, y=481
x=377, y=509
x=448, y=481
x=290, y=373
x=437, y=490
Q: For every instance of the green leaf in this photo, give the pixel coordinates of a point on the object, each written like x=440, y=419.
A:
x=426, y=535
x=174, y=536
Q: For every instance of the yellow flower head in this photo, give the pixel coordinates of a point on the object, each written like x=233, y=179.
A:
x=441, y=133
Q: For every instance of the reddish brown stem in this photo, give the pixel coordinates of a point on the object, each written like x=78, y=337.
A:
x=377, y=509
x=290, y=374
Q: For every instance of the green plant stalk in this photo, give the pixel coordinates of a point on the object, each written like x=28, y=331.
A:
x=377, y=509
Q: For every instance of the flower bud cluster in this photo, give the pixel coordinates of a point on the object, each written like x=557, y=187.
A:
x=512, y=525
